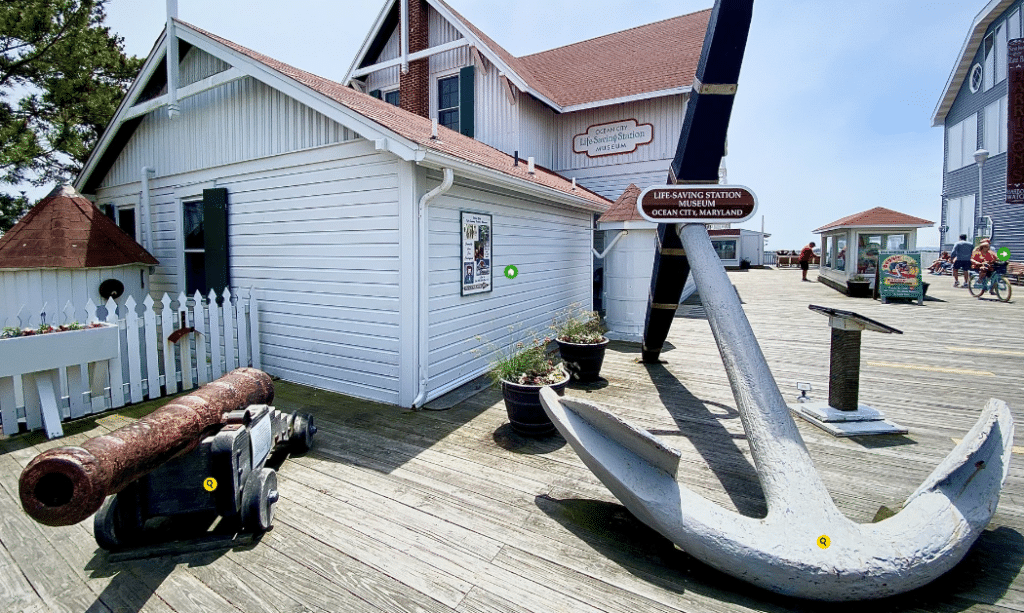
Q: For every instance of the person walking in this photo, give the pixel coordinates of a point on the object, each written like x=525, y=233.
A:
x=961, y=255
x=805, y=259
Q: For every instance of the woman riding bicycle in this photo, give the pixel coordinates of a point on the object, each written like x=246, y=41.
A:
x=982, y=260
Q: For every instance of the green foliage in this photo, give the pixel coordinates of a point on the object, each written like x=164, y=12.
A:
x=12, y=208
x=576, y=325
x=62, y=75
x=523, y=362
x=10, y=332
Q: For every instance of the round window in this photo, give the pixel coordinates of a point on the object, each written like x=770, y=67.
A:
x=975, y=78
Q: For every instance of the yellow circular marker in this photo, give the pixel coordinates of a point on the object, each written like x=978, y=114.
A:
x=823, y=541
x=210, y=484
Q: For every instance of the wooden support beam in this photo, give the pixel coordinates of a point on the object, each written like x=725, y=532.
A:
x=419, y=55
x=231, y=74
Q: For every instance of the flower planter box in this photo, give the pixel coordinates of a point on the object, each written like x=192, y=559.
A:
x=37, y=359
x=27, y=354
x=858, y=289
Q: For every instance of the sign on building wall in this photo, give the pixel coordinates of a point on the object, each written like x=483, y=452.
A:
x=705, y=204
x=1015, y=129
x=476, y=253
x=900, y=275
x=614, y=138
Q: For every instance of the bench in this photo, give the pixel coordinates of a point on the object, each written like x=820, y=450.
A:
x=1015, y=269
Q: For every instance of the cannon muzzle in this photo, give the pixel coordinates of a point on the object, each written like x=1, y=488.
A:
x=65, y=485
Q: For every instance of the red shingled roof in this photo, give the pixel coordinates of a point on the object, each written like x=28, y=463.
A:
x=66, y=231
x=878, y=216
x=624, y=208
x=649, y=58
x=414, y=127
x=654, y=57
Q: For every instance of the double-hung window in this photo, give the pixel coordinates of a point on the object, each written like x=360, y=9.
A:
x=448, y=102
x=193, y=230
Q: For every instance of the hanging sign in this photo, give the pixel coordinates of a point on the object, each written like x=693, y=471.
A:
x=476, y=253
x=613, y=138
x=1015, y=131
x=696, y=204
x=900, y=275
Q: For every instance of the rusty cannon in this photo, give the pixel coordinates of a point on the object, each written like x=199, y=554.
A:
x=203, y=454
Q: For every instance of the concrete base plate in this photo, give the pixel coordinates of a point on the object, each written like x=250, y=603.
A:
x=823, y=412
x=849, y=428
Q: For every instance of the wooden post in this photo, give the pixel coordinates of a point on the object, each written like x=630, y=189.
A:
x=698, y=156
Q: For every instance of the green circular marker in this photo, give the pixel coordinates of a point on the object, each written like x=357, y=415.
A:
x=511, y=271
x=1003, y=254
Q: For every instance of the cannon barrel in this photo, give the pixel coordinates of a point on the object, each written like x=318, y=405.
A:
x=65, y=485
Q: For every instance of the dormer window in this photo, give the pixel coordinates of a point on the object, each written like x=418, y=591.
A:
x=448, y=102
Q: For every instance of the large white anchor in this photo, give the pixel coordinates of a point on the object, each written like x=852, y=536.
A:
x=804, y=546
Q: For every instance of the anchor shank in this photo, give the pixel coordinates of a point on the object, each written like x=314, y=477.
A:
x=783, y=465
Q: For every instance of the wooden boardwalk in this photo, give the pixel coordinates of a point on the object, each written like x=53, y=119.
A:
x=447, y=511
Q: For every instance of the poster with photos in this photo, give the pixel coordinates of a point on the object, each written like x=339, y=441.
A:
x=476, y=253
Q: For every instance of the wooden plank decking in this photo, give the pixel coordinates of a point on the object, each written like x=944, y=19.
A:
x=447, y=511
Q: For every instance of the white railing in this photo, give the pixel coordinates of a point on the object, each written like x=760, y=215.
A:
x=173, y=345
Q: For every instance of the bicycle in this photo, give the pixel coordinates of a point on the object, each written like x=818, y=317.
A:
x=995, y=281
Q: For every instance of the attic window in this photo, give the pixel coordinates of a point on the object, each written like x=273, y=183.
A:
x=393, y=97
x=448, y=102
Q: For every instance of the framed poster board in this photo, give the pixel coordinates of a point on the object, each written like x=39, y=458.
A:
x=900, y=275
x=476, y=253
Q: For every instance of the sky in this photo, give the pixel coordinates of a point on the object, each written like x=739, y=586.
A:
x=833, y=113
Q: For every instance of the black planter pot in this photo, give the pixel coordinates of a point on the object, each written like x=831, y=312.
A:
x=583, y=362
x=525, y=413
x=858, y=289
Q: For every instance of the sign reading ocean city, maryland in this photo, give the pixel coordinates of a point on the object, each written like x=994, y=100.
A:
x=1015, y=131
x=613, y=138
x=696, y=203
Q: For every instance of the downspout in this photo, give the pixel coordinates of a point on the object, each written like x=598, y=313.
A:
x=422, y=279
x=147, y=213
x=601, y=255
x=405, y=36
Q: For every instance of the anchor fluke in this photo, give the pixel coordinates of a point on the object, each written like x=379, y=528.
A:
x=808, y=550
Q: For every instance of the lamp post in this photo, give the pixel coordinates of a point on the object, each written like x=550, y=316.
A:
x=980, y=156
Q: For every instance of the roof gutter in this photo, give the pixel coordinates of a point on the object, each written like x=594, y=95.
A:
x=422, y=272
x=437, y=160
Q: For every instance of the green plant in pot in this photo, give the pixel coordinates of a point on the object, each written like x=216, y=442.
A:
x=521, y=369
x=581, y=342
x=858, y=287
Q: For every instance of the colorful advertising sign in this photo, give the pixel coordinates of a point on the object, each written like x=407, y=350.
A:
x=476, y=253
x=1015, y=121
x=900, y=275
x=696, y=203
x=613, y=138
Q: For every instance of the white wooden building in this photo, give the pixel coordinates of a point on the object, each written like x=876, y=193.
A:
x=66, y=251
x=350, y=217
x=606, y=111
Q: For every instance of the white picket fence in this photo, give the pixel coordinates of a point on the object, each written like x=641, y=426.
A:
x=224, y=336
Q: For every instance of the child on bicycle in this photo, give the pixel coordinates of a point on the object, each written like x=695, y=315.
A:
x=983, y=260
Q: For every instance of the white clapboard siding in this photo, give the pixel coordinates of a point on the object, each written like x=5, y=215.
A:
x=135, y=374
x=549, y=247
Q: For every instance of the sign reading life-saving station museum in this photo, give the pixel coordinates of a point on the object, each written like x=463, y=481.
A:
x=696, y=203
x=613, y=138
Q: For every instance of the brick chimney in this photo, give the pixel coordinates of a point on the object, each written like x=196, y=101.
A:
x=415, y=85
